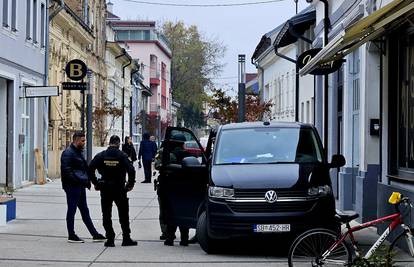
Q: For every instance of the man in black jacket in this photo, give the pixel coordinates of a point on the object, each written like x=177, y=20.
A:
x=75, y=179
x=113, y=164
x=147, y=151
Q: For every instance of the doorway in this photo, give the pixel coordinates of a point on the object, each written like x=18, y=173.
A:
x=3, y=133
x=26, y=139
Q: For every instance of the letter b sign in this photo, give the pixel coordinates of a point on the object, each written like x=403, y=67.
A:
x=76, y=70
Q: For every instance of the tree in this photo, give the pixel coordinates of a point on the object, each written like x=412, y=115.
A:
x=224, y=109
x=100, y=116
x=195, y=60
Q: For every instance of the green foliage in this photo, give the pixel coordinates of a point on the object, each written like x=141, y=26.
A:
x=224, y=109
x=381, y=258
x=6, y=192
x=195, y=60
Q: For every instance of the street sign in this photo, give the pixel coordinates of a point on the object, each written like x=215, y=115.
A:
x=74, y=86
x=41, y=91
x=76, y=70
x=323, y=69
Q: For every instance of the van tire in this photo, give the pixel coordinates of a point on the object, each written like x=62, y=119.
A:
x=206, y=243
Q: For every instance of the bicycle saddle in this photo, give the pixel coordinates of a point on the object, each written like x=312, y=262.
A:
x=346, y=216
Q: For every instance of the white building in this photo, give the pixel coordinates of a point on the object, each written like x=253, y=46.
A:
x=22, y=63
x=370, y=108
x=277, y=72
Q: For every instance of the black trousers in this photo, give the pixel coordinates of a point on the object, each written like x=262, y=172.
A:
x=171, y=229
x=147, y=169
x=76, y=199
x=119, y=196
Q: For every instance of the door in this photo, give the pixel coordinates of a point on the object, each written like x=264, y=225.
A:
x=182, y=189
x=3, y=132
x=26, y=139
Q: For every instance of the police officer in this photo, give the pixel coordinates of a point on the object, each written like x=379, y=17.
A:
x=113, y=164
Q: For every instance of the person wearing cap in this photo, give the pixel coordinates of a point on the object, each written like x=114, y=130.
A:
x=113, y=165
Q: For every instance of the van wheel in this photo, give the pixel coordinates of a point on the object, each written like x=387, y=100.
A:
x=206, y=243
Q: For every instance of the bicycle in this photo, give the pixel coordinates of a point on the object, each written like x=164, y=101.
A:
x=323, y=247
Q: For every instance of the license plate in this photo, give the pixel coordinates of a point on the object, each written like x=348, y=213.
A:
x=271, y=228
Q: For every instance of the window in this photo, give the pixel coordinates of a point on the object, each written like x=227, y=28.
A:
x=35, y=21
x=14, y=15
x=307, y=112
x=6, y=13
x=123, y=35
x=28, y=13
x=43, y=25
x=267, y=146
x=302, y=110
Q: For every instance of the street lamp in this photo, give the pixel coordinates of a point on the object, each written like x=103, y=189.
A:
x=242, y=88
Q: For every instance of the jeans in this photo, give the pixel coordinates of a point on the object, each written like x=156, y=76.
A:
x=76, y=198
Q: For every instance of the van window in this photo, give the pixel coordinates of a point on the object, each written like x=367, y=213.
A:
x=267, y=145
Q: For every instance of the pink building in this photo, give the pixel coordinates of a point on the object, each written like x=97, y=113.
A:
x=152, y=50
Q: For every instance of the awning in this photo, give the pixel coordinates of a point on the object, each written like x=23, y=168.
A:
x=295, y=27
x=365, y=30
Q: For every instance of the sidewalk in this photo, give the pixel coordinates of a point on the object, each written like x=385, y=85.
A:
x=38, y=235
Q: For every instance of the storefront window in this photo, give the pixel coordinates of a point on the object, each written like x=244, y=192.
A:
x=406, y=107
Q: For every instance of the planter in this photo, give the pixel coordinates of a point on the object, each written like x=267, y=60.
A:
x=7, y=209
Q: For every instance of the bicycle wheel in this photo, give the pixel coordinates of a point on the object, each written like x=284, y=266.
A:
x=308, y=248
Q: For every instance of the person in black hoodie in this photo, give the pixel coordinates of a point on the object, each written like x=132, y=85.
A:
x=75, y=180
x=128, y=148
x=113, y=165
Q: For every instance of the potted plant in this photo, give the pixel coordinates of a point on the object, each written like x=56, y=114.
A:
x=7, y=205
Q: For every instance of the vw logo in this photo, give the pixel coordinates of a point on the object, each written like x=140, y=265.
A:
x=271, y=196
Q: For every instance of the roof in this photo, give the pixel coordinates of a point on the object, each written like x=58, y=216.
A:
x=295, y=26
x=250, y=77
x=265, y=42
x=260, y=124
x=111, y=16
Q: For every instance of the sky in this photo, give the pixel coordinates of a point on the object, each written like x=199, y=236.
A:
x=239, y=28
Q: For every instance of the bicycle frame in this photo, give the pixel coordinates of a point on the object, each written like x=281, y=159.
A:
x=395, y=221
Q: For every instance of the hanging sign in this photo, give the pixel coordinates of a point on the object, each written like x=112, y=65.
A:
x=322, y=69
x=76, y=69
x=41, y=91
x=74, y=86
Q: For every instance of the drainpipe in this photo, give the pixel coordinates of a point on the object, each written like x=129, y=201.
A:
x=257, y=65
x=326, y=26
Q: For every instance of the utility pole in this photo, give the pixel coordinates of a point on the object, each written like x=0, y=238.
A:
x=242, y=88
x=89, y=118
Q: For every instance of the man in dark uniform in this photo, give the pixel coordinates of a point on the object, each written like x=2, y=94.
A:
x=113, y=164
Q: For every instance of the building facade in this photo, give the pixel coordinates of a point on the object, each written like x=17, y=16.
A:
x=277, y=73
x=154, y=54
x=22, y=64
x=74, y=34
x=370, y=100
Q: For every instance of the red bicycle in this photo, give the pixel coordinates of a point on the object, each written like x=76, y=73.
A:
x=322, y=247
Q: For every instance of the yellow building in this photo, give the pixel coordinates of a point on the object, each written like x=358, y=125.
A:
x=73, y=35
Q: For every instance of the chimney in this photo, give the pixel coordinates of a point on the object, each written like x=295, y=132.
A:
x=110, y=7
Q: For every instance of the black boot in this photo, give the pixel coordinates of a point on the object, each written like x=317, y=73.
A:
x=169, y=242
x=109, y=243
x=127, y=241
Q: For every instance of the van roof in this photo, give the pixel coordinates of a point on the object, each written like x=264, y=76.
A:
x=261, y=124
